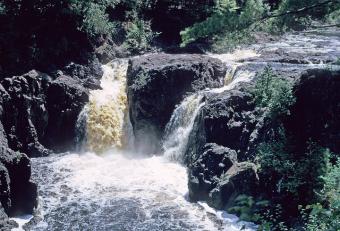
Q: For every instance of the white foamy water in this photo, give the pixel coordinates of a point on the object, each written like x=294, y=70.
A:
x=21, y=221
x=116, y=192
x=178, y=129
x=236, y=56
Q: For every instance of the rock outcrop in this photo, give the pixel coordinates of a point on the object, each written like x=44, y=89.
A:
x=66, y=98
x=17, y=194
x=38, y=114
x=315, y=114
x=24, y=113
x=157, y=83
x=221, y=150
x=5, y=223
x=39, y=111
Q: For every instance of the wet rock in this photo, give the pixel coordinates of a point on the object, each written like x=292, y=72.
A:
x=5, y=223
x=217, y=177
x=232, y=121
x=24, y=115
x=205, y=172
x=157, y=82
x=109, y=51
x=66, y=97
x=36, y=108
x=229, y=119
x=88, y=75
x=241, y=178
x=18, y=194
x=315, y=115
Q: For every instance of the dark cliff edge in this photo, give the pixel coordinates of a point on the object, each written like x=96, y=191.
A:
x=157, y=83
x=38, y=114
x=221, y=154
x=230, y=127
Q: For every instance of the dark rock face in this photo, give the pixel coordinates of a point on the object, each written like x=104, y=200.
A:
x=229, y=119
x=17, y=194
x=21, y=194
x=230, y=125
x=24, y=113
x=216, y=176
x=65, y=99
x=156, y=83
x=38, y=114
x=316, y=113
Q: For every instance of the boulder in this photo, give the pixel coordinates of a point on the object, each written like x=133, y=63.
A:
x=240, y=179
x=217, y=177
x=24, y=115
x=5, y=223
x=157, y=83
x=18, y=194
x=66, y=97
x=205, y=172
x=315, y=114
x=88, y=75
x=229, y=119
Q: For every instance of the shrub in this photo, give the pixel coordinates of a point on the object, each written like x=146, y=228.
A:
x=301, y=20
x=292, y=173
x=96, y=21
x=334, y=17
x=267, y=216
x=139, y=35
x=325, y=216
x=225, y=19
x=2, y=9
x=274, y=93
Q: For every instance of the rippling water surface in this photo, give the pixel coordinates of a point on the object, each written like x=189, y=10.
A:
x=115, y=192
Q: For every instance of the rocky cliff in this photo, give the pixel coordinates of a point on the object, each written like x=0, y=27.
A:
x=157, y=83
x=38, y=113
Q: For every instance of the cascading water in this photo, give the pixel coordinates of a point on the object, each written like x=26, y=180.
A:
x=178, y=129
x=182, y=120
x=105, y=118
x=117, y=190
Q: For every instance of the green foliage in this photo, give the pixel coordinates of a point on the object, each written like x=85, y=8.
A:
x=139, y=35
x=2, y=9
x=247, y=208
x=274, y=93
x=301, y=20
x=96, y=21
x=293, y=173
x=225, y=19
x=325, y=216
x=334, y=17
x=261, y=212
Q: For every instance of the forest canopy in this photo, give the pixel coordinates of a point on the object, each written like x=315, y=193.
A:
x=68, y=30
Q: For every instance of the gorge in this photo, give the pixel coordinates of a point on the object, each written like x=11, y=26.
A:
x=158, y=141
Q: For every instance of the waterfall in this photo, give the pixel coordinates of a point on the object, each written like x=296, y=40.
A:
x=104, y=122
x=178, y=129
x=182, y=120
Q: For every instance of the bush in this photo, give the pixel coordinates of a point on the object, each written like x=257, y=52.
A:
x=225, y=19
x=267, y=216
x=2, y=9
x=139, y=36
x=299, y=21
x=96, y=21
x=325, y=216
x=334, y=17
x=292, y=173
x=273, y=93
